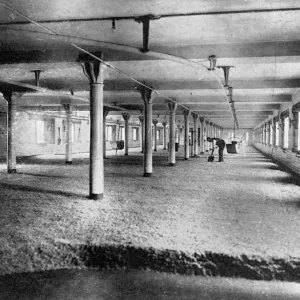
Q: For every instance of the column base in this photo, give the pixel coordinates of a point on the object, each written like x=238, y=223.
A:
x=165, y=149
x=172, y=164
x=147, y=174
x=69, y=162
x=126, y=154
x=196, y=156
x=186, y=158
x=12, y=171
x=155, y=149
x=96, y=196
x=201, y=152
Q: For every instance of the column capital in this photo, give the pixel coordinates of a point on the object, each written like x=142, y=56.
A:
x=201, y=119
x=195, y=116
x=11, y=96
x=146, y=93
x=93, y=69
x=106, y=111
x=186, y=112
x=171, y=105
x=165, y=123
x=206, y=122
x=141, y=118
x=155, y=122
x=68, y=108
x=126, y=116
x=211, y=123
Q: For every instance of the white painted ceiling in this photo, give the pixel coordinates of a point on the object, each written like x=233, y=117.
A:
x=259, y=38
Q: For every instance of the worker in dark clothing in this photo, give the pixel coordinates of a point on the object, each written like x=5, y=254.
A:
x=221, y=145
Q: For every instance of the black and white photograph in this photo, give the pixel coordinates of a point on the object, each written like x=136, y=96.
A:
x=149, y=150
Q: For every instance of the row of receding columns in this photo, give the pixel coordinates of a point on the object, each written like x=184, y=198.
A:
x=94, y=70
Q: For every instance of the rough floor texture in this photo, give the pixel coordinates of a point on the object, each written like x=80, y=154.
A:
x=239, y=218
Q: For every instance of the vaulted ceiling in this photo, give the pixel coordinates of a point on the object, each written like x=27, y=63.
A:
x=260, y=39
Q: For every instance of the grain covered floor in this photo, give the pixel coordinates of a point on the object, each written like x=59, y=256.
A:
x=239, y=218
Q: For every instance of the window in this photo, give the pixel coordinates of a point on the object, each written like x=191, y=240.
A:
x=110, y=132
x=267, y=134
x=135, y=133
x=122, y=133
x=40, y=132
x=286, y=132
x=157, y=134
x=76, y=133
x=64, y=131
x=45, y=131
x=276, y=133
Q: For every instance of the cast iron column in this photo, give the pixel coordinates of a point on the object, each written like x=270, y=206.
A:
x=94, y=71
x=211, y=134
x=69, y=109
x=126, y=118
x=11, y=99
x=202, y=135
x=206, y=135
x=141, y=118
x=146, y=95
x=179, y=133
x=155, y=134
x=165, y=135
x=106, y=111
x=195, y=118
x=186, y=114
x=172, y=154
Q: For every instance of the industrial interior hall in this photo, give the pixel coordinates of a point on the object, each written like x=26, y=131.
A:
x=105, y=113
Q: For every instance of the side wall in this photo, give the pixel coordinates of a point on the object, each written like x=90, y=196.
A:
x=287, y=158
x=265, y=139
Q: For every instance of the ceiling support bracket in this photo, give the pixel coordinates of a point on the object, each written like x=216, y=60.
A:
x=213, y=62
x=37, y=74
x=146, y=30
x=226, y=73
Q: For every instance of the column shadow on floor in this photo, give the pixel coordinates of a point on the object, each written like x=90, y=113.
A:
x=23, y=188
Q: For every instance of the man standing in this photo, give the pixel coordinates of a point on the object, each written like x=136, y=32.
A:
x=221, y=144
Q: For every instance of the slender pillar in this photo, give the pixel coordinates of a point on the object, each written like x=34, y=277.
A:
x=141, y=118
x=69, y=111
x=179, y=133
x=293, y=130
x=11, y=99
x=106, y=111
x=211, y=134
x=94, y=71
x=165, y=135
x=195, y=118
x=172, y=155
x=274, y=132
x=126, y=118
x=186, y=114
x=201, y=135
x=146, y=95
x=281, y=131
x=206, y=135
x=155, y=134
